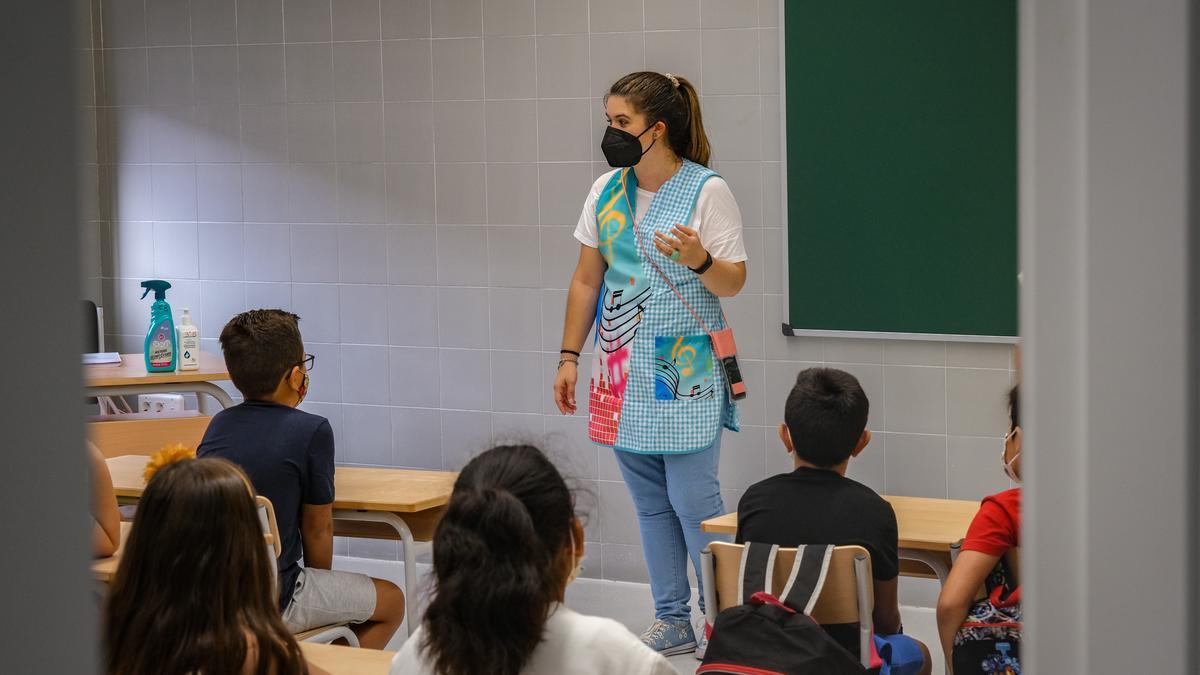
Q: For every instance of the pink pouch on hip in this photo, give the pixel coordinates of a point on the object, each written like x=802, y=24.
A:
x=725, y=350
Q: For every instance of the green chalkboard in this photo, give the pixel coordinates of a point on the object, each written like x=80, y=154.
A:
x=901, y=165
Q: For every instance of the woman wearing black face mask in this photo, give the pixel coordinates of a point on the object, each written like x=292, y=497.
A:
x=661, y=240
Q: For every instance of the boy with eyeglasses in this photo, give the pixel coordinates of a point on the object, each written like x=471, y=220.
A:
x=288, y=455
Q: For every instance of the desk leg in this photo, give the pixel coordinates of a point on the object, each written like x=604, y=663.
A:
x=410, y=555
x=219, y=395
x=929, y=559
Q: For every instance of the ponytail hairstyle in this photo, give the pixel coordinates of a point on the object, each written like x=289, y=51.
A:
x=497, y=558
x=673, y=100
x=194, y=591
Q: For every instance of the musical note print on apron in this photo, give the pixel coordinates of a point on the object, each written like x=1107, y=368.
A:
x=683, y=368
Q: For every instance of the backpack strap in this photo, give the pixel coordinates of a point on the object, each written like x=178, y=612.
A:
x=758, y=561
x=807, y=577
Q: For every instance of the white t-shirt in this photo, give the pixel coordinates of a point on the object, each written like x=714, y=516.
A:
x=572, y=643
x=716, y=218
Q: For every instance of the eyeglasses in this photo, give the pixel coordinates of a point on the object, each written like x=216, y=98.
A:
x=309, y=361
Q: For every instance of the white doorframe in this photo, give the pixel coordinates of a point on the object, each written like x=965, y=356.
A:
x=1108, y=199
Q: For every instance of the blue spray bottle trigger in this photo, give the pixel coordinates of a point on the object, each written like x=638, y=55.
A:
x=158, y=286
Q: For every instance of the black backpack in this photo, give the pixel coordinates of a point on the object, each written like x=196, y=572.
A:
x=766, y=635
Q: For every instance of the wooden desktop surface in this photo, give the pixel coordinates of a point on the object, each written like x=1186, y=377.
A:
x=355, y=487
x=922, y=523
x=341, y=660
x=132, y=371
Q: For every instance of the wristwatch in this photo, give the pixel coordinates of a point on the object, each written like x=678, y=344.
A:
x=708, y=262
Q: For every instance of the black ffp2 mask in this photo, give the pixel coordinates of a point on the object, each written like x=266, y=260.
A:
x=622, y=148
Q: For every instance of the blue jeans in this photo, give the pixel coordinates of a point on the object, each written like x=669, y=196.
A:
x=672, y=495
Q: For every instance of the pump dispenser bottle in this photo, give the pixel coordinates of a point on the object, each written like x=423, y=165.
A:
x=189, y=342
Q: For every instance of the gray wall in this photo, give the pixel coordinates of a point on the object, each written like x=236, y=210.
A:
x=1109, y=225
x=86, y=49
x=406, y=176
x=49, y=620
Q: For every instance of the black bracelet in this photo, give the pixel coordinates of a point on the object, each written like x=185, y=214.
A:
x=569, y=351
x=703, y=268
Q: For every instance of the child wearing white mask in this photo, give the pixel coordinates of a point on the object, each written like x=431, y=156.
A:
x=995, y=530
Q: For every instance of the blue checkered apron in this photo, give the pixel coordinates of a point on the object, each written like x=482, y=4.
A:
x=639, y=318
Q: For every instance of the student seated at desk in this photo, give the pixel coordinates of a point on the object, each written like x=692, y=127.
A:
x=825, y=425
x=288, y=455
x=994, y=532
x=106, y=518
x=503, y=555
x=193, y=592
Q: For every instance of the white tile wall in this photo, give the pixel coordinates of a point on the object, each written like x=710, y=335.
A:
x=406, y=174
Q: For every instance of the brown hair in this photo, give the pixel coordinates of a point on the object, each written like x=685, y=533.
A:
x=1014, y=407
x=496, y=557
x=261, y=346
x=658, y=98
x=195, y=581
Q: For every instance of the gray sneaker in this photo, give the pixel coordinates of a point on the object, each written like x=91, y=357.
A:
x=670, y=637
x=701, y=640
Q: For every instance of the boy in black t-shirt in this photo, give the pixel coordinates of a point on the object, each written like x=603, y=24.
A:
x=288, y=455
x=825, y=425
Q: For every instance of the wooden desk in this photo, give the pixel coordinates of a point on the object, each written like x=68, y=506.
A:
x=130, y=377
x=120, y=436
x=341, y=660
x=926, y=529
x=376, y=503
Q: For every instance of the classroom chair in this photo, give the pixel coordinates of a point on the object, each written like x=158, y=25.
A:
x=846, y=598
x=322, y=634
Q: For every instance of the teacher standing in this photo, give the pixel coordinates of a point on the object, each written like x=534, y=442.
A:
x=660, y=240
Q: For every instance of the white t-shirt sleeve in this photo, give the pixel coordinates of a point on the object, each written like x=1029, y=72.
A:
x=716, y=217
x=719, y=221
x=638, y=657
x=585, y=230
x=661, y=666
x=593, y=645
x=411, y=660
x=609, y=647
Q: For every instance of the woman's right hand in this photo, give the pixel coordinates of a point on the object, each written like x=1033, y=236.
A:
x=564, y=387
x=582, y=296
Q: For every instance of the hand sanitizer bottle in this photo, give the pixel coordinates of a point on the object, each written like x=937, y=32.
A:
x=189, y=343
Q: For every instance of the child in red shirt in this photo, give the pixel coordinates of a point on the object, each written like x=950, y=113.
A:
x=995, y=530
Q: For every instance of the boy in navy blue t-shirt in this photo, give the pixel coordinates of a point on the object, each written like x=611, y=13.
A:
x=288, y=455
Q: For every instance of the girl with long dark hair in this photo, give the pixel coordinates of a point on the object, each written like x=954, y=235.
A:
x=194, y=590
x=503, y=555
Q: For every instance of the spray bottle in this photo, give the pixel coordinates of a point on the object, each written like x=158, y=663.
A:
x=160, y=349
